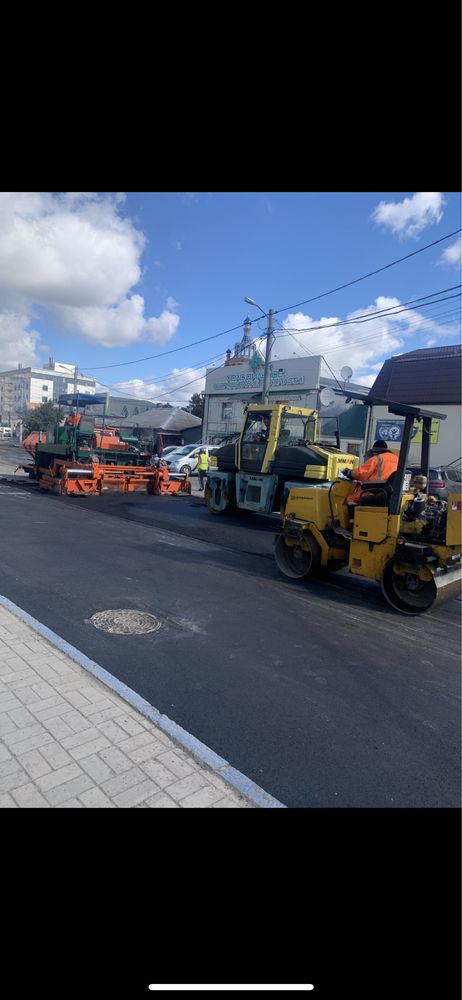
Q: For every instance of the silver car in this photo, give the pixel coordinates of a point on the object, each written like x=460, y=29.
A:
x=186, y=459
x=442, y=479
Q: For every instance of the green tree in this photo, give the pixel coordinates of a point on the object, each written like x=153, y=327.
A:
x=196, y=405
x=40, y=418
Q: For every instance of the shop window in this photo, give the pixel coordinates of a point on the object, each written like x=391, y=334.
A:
x=226, y=411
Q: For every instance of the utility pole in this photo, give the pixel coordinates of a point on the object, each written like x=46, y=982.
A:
x=76, y=375
x=269, y=344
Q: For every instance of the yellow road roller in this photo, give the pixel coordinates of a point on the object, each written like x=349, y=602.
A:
x=397, y=534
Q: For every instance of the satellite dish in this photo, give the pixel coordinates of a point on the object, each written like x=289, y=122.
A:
x=326, y=396
x=346, y=373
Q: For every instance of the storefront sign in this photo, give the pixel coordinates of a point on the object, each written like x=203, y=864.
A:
x=285, y=375
x=392, y=431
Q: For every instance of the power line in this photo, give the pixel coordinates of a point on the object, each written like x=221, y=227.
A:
x=369, y=275
x=390, y=311
x=163, y=354
x=340, y=347
x=314, y=298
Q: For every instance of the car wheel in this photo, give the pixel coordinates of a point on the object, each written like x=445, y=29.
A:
x=186, y=469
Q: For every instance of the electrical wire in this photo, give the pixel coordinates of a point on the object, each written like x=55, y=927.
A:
x=389, y=312
x=366, y=317
x=369, y=275
x=314, y=298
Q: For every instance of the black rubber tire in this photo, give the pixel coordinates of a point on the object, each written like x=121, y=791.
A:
x=407, y=594
x=186, y=469
x=208, y=497
x=294, y=561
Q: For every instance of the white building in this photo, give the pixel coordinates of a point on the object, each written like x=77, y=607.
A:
x=295, y=381
x=30, y=387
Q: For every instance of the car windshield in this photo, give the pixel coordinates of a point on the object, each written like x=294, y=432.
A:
x=454, y=475
x=181, y=451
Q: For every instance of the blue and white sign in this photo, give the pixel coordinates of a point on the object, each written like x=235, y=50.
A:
x=286, y=374
x=391, y=430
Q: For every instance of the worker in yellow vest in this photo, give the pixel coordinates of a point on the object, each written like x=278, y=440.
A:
x=202, y=467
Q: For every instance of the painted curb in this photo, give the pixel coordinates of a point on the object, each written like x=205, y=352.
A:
x=218, y=764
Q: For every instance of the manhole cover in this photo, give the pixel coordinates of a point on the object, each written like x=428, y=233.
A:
x=125, y=622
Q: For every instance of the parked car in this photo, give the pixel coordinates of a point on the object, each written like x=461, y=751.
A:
x=6, y=432
x=442, y=479
x=185, y=459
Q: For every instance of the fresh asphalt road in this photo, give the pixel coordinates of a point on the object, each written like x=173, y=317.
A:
x=318, y=691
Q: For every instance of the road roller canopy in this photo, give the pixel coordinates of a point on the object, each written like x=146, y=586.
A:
x=400, y=409
x=82, y=399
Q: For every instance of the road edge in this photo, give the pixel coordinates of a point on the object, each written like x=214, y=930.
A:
x=189, y=742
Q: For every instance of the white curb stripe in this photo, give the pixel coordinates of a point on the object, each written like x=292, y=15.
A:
x=218, y=764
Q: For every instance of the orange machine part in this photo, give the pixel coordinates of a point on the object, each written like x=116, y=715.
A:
x=73, y=478
x=32, y=439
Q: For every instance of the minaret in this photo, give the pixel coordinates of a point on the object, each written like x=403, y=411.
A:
x=246, y=339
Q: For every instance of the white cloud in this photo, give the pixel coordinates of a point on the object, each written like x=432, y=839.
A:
x=409, y=217
x=18, y=342
x=453, y=254
x=188, y=197
x=368, y=379
x=117, y=326
x=363, y=345
x=176, y=389
x=78, y=259
x=171, y=304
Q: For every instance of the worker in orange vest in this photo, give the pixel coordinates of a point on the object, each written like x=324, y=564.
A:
x=74, y=418
x=379, y=467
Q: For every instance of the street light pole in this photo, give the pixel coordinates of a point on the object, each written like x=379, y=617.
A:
x=269, y=344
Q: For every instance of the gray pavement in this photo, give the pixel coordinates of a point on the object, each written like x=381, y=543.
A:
x=69, y=740
x=318, y=691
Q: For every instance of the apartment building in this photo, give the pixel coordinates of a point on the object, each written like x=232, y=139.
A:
x=31, y=386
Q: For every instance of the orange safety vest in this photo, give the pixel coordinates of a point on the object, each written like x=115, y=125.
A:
x=379, y=467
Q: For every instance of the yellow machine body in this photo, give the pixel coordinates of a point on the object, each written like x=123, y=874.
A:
x=417, y=564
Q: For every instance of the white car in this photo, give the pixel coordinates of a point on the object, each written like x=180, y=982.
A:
x=6, y=432
x=186, y=459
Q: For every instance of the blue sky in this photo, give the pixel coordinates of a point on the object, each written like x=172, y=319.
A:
x=98, y=279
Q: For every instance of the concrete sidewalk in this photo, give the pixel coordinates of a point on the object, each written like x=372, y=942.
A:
x=69, y=740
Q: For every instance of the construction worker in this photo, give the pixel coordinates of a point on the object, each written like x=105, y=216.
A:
x=202, y=466
x=378, y=468
x=74, y=418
